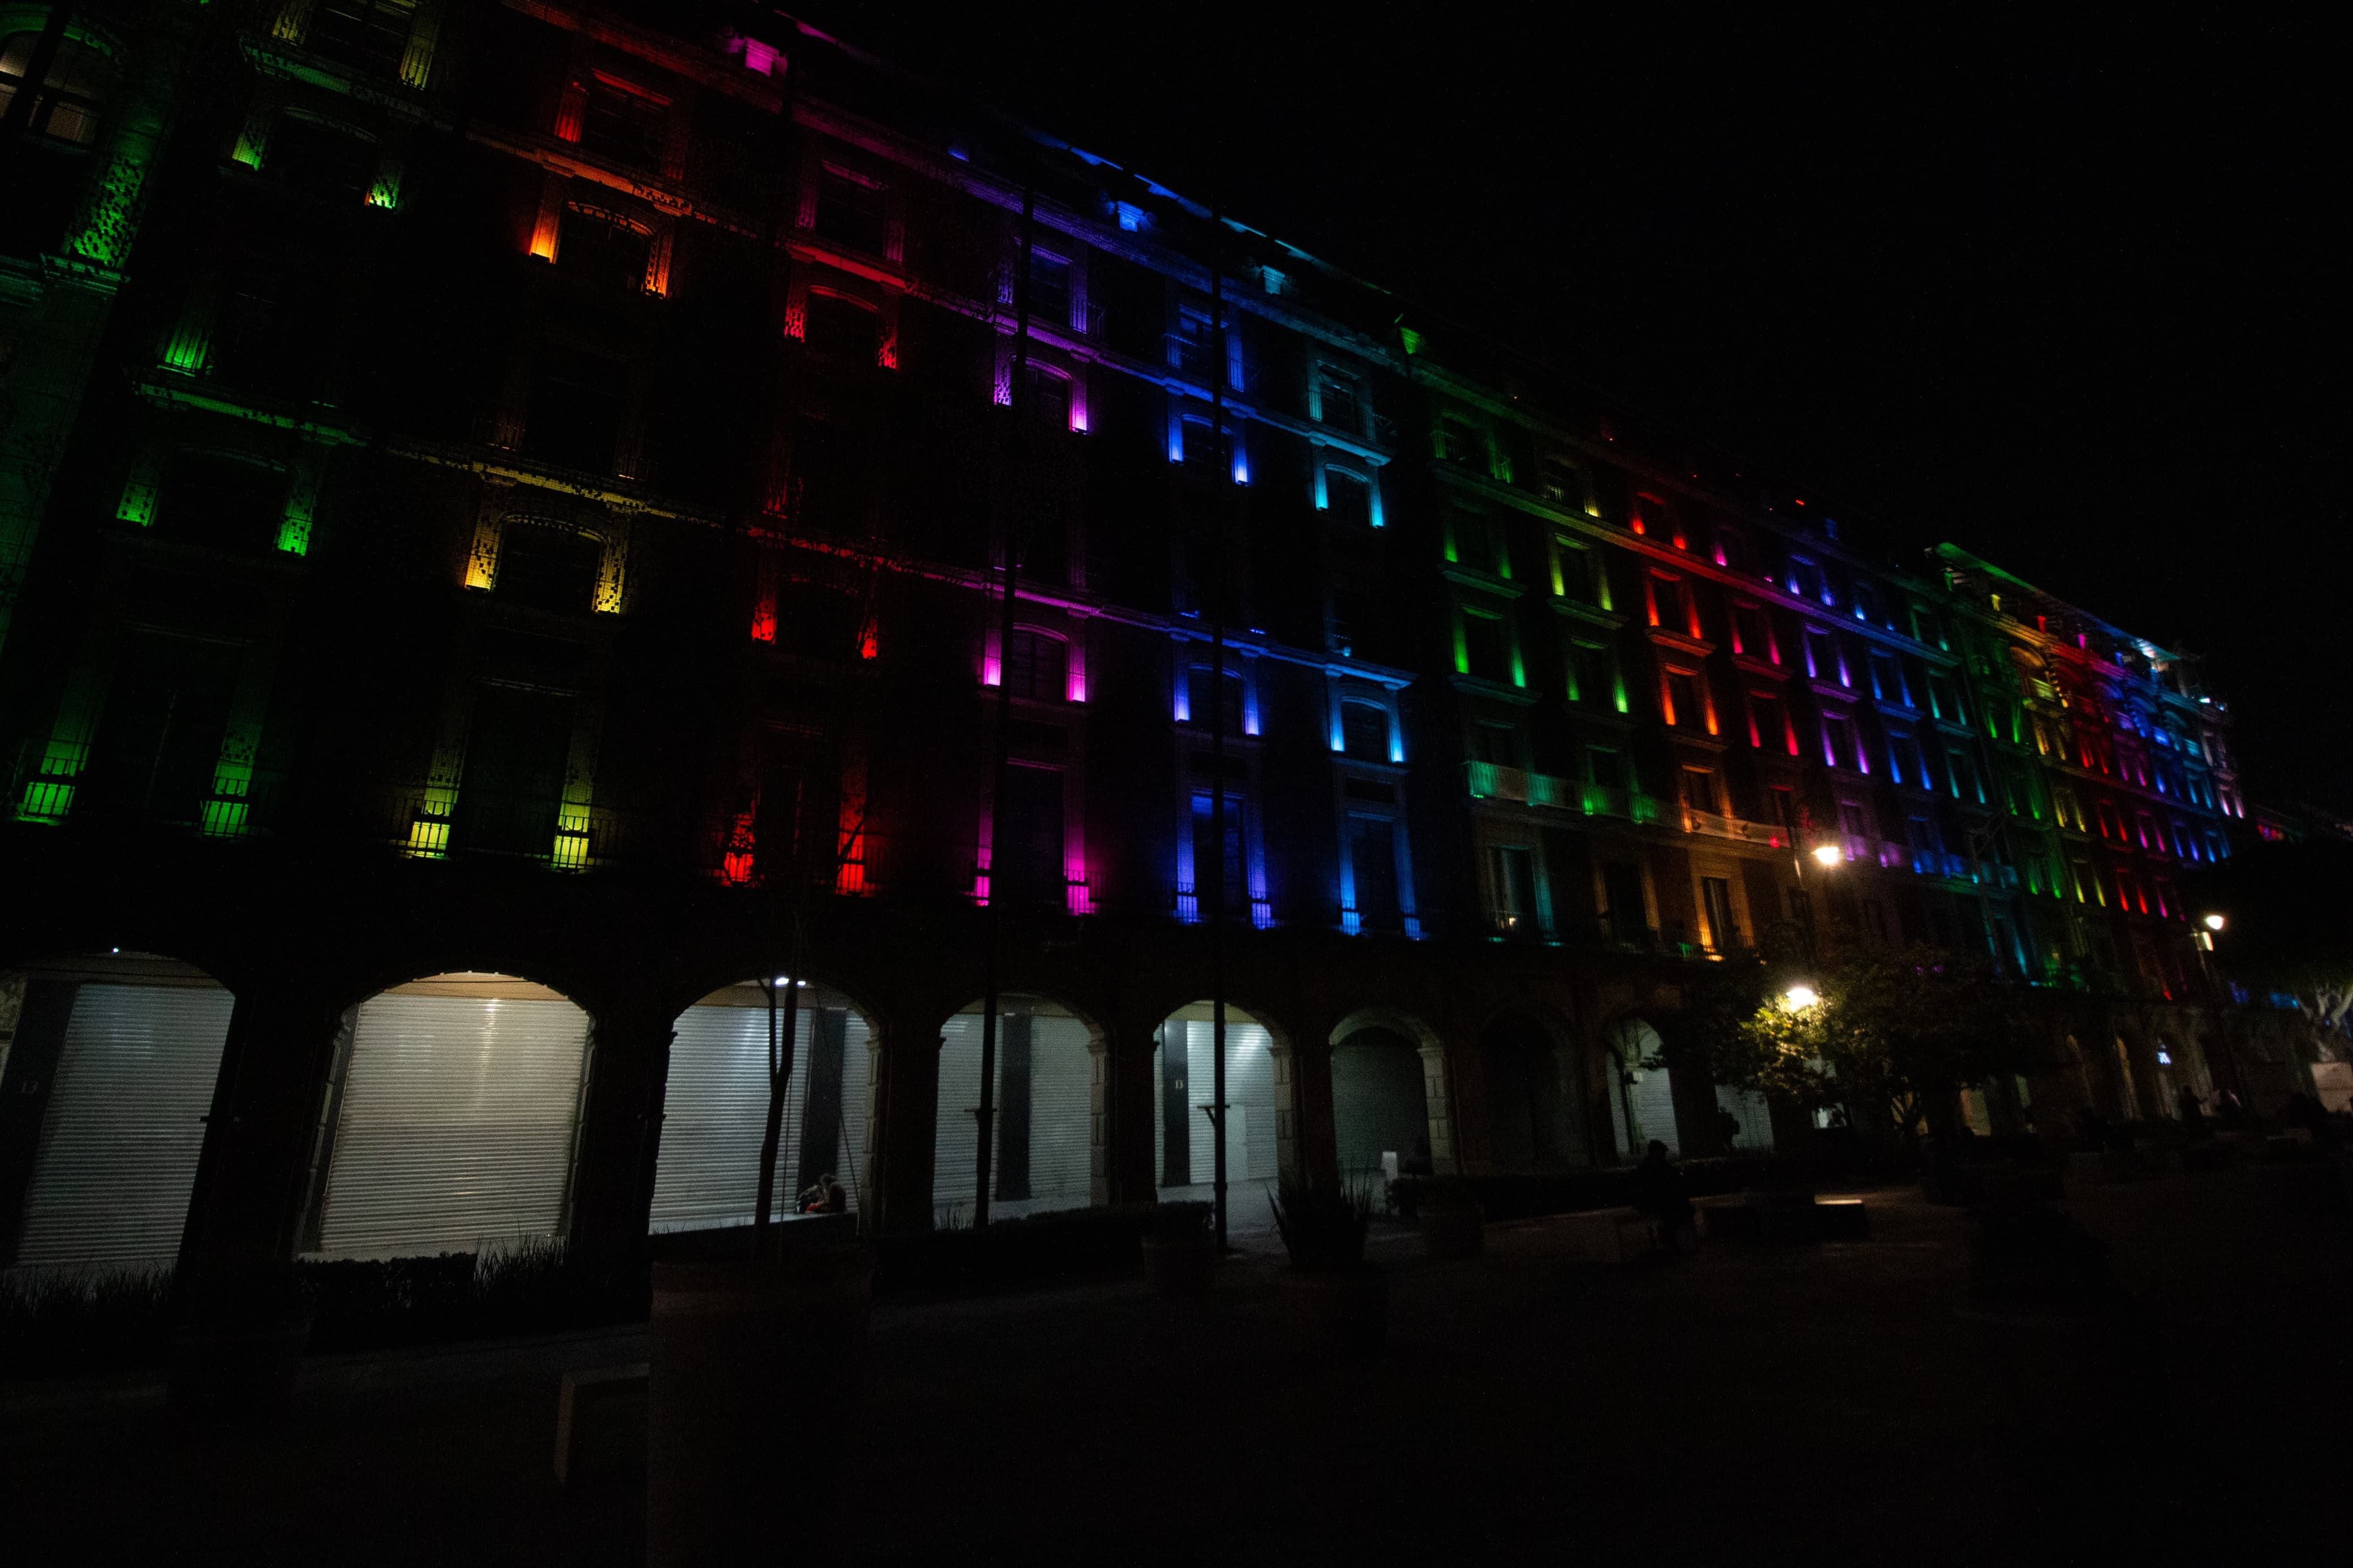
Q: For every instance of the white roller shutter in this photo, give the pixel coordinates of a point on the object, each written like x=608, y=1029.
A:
x=1747, y=1108
x=1061, y=1113
x=125, y=1126
x=1251, y=1153
x=456, y=1125
x=715, y=1108
x=1061, y=1118
x=1654, y=1111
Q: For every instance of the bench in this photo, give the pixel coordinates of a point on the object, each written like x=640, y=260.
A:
x=600, y=1421
x=1842, y=1219
x=1609, y=1236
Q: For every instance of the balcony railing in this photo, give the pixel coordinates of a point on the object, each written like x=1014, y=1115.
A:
x=1490, y=781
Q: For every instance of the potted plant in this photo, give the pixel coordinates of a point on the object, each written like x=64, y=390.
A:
x=1335, y=1306
x=1453, y=1224
x=1178, y=1249
x=237, y=1345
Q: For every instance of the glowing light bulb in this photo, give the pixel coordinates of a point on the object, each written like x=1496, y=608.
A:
x=1828, y=854
x=1800, y=996
x=2214, y=922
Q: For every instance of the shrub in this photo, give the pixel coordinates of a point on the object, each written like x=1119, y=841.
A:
x=86, y=1320
x=1322, y=1227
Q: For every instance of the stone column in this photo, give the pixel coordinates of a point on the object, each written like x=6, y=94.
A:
x=266, y=1137
x=620, y=1131
x=1123, y=1172
x=905, y=1121
x=1445, y=1159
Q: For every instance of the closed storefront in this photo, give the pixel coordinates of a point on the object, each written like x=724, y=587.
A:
x=1184, y=1148
x=1380, y=1104
x=715, y=1107
x=110, y=1076
x=456, y=1103
x=1043, y=1157
x=1642, y=1099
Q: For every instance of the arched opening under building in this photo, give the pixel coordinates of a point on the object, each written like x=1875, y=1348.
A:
x=108, y=1065
x=1184, y=1140
x=1531, y=1124
x=1043, y=1156
x=1642, y=1098
x=1380, y=1104
x=715, y=1104
x=453, y=1109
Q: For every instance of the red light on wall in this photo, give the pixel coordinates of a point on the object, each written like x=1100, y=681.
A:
x=736, y=865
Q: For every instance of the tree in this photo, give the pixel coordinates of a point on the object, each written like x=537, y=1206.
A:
x=2288, y=929
x=1894, y=1036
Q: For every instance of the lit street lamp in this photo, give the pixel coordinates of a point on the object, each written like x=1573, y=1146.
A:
x=1800, y=997
x=2214, y=922
x=1828, y=854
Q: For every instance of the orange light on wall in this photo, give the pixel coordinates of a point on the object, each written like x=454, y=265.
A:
x=657, y=265
x=543, y=232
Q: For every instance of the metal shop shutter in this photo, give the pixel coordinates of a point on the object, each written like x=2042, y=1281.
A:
x=1060, y=1112
x=456, y=1125
x=1749, y=1109
x=125, y=1125
x=1654, y=1111
x=1250, y=1149
x=716, y=1106
x=1379, y=1102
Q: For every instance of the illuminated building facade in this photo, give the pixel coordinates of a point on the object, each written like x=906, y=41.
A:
x=527, y=492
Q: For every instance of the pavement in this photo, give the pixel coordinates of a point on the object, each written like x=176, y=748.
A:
x=1824, y=1404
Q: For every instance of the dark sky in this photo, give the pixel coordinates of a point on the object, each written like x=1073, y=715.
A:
x=2057, y=288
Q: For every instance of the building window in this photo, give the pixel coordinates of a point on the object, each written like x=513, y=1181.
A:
x=1652, y=518
x=1577, y=572
x=1855, y=820
x=1189, y=350
x=1703, y=791
x=1473, y=539
x=548, y=568
x=1049, y=288
x=1715, y=903
x=1458, y=441
x=1347, y=498
x=1037, y=665
x=1768, y=723
x=222, y=502
x=1483, y=645
x=624, y=121
x=1512, y=881
x=1365, y=730
x=1340, y=400
x=1840, y=748
x=1563, y=483
x=1208, y=863
x=1687, y=706
x=1197, y=700
x=1026, y=865
x=1805, y=578
x=601, y=249
x=1501, y=744
x=66, y=108
x=1961, y=773
x=1823, y=660
x=851, y=213
x=1593, y=676
x=844, y=330
x=576, y=398
x=1944, y=701
x=1671, y=608
x=1904, y=761
x=1887, y=682
x=1752, y=634
x=370, y=34
x=323, y=160
x=1373, y=875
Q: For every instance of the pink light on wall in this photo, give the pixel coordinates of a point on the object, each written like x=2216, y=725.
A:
x=992, y=660
x=760, y=59
x=1075, y=674
x=1078, y=405
x=980, y=863
x=1077, y=896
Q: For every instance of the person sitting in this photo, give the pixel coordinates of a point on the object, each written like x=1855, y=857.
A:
x=1659, y=1193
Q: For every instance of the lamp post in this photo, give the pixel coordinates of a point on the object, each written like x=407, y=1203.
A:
x=1826, y=855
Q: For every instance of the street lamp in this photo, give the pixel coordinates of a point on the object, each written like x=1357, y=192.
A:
x=1828, y=854
x=2214, y=922
x=1800, y=997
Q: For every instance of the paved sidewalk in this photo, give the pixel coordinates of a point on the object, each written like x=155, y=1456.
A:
x=1823, y=1405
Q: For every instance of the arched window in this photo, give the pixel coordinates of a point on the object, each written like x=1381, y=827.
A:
x=79, y=78
x=1037, y=665
x=843, y=329
x=603, y=248
x=323, y=159
x=1365, y=730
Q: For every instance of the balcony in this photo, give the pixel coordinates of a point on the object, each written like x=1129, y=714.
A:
x=1488, y=781
x=1732, y=827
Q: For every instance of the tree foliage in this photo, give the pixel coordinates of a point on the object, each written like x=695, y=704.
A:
x=1894, y=1036
x=2290, y=929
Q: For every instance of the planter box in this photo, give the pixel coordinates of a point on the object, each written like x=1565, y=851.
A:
x=1178, y=1266
x=1609, y=1236
x=237, y=1369
x=600, y=1422
x=1335, y=1315
x=1453, y=1231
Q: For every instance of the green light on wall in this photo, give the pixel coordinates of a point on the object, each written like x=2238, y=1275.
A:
x=1461, y=649
x=294, y=530
x=1519, y=671
x=1618, y=696
x=139, y=492
x=386, y=192
x=1412, y=338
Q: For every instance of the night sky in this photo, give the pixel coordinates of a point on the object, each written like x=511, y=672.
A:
x=2056, y=288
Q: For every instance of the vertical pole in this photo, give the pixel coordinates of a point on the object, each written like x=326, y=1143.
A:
x=1219, y=576
x=1009, y=520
